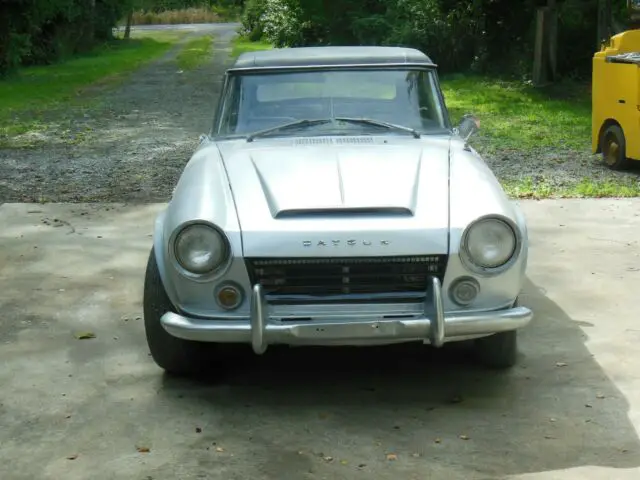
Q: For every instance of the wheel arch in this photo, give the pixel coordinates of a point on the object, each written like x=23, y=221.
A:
x=159, y=249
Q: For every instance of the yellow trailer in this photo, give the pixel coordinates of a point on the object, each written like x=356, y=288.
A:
x=615, y=98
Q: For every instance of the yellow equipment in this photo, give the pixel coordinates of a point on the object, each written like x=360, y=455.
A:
x=615, y=98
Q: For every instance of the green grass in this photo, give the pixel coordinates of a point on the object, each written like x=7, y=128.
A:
x=195, y=53
x=242, y=45
x=514, y=115
x=587, y=188
x=33, y=90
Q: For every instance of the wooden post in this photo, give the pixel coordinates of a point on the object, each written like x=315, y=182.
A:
x=604, y=22
x=541, y=52
x=552, y=43
x=127, y=28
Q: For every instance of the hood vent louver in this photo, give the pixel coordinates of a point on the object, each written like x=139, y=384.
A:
x=334, y=141
x=353, y=140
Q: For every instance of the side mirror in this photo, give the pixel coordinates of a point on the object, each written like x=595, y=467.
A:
x=468, y=126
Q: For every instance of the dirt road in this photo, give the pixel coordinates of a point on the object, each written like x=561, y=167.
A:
x=135, y=139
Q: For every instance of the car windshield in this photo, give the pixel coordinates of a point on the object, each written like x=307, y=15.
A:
x=254, y=102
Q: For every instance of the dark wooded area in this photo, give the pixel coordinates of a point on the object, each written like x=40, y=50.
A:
x=523, y=38
x=43, y=31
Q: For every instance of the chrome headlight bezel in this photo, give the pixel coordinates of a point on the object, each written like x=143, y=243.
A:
x=217, y=269
x=481, y=270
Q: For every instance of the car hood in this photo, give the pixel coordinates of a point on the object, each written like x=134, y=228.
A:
x=288, y=196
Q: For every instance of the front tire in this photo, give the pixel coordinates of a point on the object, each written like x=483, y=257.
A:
x=500, y=350
x=614, y=148
x=175, y=355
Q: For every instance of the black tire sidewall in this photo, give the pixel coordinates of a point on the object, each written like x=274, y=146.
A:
x=618, y=134
x=173, y=354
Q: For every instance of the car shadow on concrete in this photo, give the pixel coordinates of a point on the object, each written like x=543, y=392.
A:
x=556, y=409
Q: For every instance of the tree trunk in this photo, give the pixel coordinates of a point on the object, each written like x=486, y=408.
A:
x=552, y=43
x=604, y=22
x=90, y=23
x=541, y=50
x=127, y=28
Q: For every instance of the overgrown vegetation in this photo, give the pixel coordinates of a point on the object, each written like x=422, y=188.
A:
x=243, y=44
x=195, y=53
x=173, y=17
x=481, y=36
x=625, y=187
x=170, y=12
x=33, y=90
x=517, y=115
x=42, y=32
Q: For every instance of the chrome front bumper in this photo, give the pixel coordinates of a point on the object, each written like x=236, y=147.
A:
x=262, y=329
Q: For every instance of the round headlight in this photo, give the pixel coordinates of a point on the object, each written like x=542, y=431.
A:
x=490, y=243
x=200, y=249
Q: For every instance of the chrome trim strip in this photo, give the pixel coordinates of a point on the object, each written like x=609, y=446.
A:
x=341, y=66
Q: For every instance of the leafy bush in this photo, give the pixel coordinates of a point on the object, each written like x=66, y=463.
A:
x=252, y=19
x=282, y=23
x=40, y=31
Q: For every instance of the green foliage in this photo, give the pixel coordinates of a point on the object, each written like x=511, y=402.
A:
x=41, y=31
x=252, y=19
x=45, y=31
x=516, y=116
x=485, y=36
x=242, y=45
x=195, y=53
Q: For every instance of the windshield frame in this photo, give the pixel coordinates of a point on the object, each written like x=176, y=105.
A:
x=231, y=74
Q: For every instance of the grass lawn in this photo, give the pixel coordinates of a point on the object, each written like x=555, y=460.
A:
x=33, y=90
x=195, y=53
x=515, y=115
x=242, y=45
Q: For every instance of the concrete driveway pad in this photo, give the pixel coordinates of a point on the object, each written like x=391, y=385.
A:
x=83, y=408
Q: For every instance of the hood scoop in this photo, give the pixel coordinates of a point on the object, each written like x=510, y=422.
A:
x=330, y=212
x=339, y=183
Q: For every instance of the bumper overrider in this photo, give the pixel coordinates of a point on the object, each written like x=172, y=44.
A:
x=431, y=326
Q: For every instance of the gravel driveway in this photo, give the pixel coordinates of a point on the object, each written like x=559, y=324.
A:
x=135, y=139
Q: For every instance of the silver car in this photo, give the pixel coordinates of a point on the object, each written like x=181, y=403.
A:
x=333, y=203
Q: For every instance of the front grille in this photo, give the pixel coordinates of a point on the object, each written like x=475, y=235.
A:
x=326, y=277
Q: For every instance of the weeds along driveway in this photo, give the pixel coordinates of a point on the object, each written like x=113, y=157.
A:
x=128, y=143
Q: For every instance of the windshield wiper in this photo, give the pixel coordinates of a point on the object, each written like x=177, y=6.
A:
x=284, y=126
x=380, y=123
x=306, y=123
